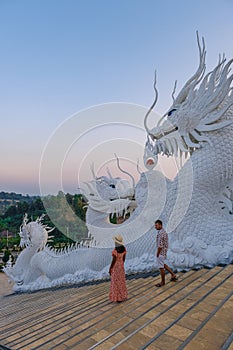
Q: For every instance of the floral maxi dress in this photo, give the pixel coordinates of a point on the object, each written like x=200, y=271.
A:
x=118, y=290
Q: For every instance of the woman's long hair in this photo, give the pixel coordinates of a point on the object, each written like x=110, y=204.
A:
x=120, y=249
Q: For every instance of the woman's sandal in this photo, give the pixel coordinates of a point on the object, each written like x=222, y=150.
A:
x=159, y=285
x=174, y=279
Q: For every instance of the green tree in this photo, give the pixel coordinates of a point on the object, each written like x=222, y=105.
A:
x=13, y=217
x=22, y=207
x=6, y=256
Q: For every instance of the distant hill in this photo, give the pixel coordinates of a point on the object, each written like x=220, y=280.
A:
x=11, y=198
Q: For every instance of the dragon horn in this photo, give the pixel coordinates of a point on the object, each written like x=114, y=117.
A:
x=123, y=171
x=138, y=167
x=151, y=107
x=109, y=174
x=195, y=78
x=93, y=171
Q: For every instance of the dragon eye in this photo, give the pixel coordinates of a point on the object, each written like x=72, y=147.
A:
x=171, y=111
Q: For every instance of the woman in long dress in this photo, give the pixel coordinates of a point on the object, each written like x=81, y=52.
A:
x=118, y=290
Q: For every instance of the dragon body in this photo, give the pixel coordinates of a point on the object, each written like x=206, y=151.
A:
x=196, y=207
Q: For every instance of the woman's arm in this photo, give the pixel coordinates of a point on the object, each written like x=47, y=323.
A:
x=112, y=264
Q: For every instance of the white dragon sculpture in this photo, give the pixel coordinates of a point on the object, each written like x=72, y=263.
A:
x=196, y=207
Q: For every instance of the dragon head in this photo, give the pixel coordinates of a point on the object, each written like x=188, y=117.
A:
x=110, y=195
x=202, y=106
x=33, y=233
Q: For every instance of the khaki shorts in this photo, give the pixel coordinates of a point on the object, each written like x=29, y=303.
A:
x=161, y=260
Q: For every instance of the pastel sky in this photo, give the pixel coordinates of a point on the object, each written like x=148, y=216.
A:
x=60, y=57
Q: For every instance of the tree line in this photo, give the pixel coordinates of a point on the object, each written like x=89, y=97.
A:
x=75, y=230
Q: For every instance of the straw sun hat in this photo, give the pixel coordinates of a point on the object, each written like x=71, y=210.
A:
x=118, y=239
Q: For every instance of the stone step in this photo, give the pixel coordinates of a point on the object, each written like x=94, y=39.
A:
x=194, y=313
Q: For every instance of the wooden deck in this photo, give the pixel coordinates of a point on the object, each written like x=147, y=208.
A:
x=194, y=313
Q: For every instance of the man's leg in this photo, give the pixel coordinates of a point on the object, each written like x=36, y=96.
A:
x=160, y=262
